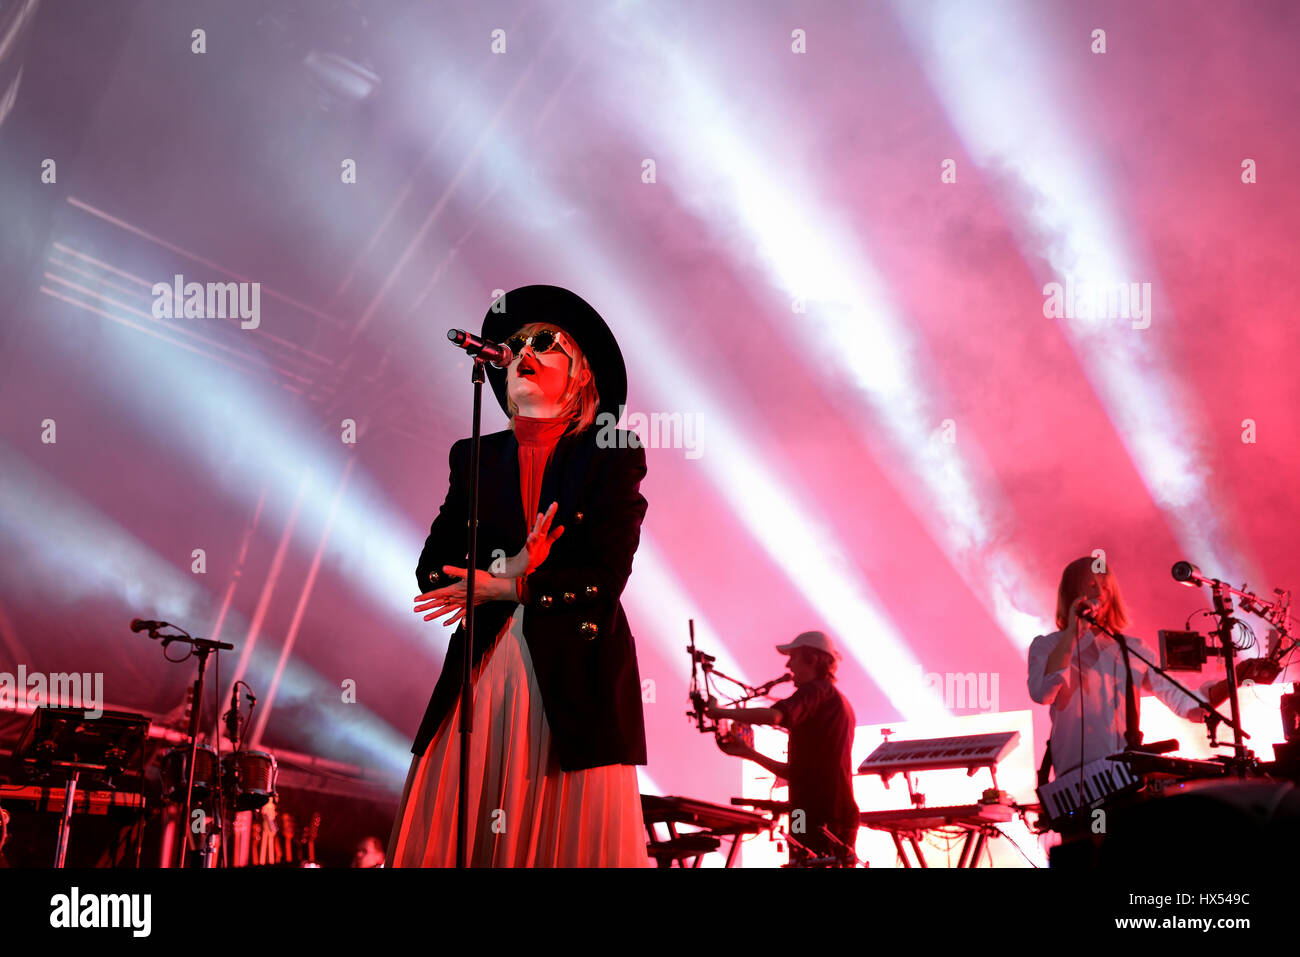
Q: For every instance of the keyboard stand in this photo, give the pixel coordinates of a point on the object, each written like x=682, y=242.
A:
x=971, y=848
x=977, y=821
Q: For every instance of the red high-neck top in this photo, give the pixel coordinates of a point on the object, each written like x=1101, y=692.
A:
x=537, y=438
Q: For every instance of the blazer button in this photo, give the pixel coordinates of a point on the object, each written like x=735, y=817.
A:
x=591, y=591
x=570, y=598
x=588, y=629
x=544, y=601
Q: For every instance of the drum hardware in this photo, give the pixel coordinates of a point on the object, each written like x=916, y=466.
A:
x=243, y=780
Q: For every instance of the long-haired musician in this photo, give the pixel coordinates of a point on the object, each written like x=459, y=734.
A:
x=1081, y=673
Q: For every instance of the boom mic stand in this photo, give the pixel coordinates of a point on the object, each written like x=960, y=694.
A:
x=1276, y=613
x=1223, y=611
x=700, y=661
x=1131, y=693
x=202, y=647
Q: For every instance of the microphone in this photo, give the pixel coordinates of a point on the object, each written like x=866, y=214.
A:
x=495, y=353
x=1085, y=611
x=144, y=624
x=1187, y=573
x=232, y=716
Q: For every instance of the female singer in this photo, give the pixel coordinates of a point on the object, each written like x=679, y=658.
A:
x=1080, y=672
x=558, y=728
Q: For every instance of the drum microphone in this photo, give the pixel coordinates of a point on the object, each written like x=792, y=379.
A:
x=493, y=352
x=144, y=624
x=232, y=716
x=1187, y=573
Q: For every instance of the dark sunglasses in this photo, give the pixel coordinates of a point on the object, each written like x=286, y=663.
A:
x=543, y=341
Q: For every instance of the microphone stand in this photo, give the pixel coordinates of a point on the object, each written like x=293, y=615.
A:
x=202, y=647
x=1223, y=611
x=1132, y=718
x=467, y=658
x=1275, y=613
x=1131, y=692
x=698, y=659
x=847, y=855
x=701, y=661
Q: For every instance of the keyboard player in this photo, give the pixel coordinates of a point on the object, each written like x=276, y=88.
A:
x=821, y=724
x=1080, y=673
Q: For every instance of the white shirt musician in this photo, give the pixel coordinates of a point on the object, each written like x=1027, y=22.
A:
x=1080, y=672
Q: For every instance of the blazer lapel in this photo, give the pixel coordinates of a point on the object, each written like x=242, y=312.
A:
x=556, y=471
x=508, y=469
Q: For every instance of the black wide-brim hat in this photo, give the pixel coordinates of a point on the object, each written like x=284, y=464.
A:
x=574, y=315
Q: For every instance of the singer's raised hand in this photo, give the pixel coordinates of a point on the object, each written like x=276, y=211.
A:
x=1076, y=624
x=537, y=547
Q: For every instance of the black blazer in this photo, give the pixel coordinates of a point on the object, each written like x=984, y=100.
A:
x=577, y=634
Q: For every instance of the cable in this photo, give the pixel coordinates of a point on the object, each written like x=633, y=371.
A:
x=176, y=661
x=1016, y=844
x=1187, y=623
x=1078, y=673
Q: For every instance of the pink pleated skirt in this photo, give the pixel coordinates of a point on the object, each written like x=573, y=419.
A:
x=525, y=810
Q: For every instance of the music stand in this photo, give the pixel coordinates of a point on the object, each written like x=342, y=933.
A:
x=67, y=740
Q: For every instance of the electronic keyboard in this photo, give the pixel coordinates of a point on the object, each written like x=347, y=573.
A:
x=1076, y=790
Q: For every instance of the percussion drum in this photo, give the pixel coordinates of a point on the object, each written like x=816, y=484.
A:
x=250, y=778
x=175, y=773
